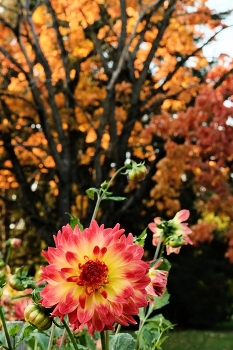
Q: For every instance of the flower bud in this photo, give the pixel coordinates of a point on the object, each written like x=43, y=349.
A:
x=16, y=283
x=15, y=242
x=35, y=315
x=137, y=173
x=176, y=241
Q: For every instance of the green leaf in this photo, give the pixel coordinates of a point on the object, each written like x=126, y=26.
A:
x=148, y=337
x=140, y=240
x=90, y=342
x=91, y=192
x=13, y=329
x=42, y=339
x=2, y=339
x=74, y=221
x=122, y=341
x=159, y=302
x=159, y=321
x=104, y=185
x=114, y=198
x=165, y=265
x=26, y=330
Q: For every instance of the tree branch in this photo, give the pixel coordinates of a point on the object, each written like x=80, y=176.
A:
x=223, y=77
x=55, y=113
x=124, y=54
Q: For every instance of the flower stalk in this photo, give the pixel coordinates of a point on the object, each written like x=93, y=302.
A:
x=51, y=337
x=158, y=246
x=5, y=330
x=70, y=334
x=100, y=197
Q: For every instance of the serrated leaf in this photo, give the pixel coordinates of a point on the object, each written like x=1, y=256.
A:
x=26, y=330
x=91, y=192
x=122, y=341
x=13, y=329
x=74, y=221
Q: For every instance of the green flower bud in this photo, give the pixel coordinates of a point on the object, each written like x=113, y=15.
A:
x=16, y=283
x=176, y=241
x=36, y=315
x=137, y=173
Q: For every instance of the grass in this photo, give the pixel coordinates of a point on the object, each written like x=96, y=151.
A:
x=199, y=340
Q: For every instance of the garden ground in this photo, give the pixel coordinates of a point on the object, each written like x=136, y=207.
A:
x=199, y=340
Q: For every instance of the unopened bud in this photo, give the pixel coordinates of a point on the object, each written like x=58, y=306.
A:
x=36, y=315
x=16, y=283
x=137, y=173
x=15, y=242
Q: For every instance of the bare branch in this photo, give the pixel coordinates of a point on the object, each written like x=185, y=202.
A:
x=42, y=59
x=162, y=27
x=64, y=54
x=184, y=59
x=223, y=77
x=121, y=42
x=13, y=60
x=100, y=52
x=18, y=97
x=124, y=54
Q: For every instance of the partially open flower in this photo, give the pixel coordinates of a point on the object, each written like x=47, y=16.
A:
x=158, y=282
x=97, y=277
x=173, y=233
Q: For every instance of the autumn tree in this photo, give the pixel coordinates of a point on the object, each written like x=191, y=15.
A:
x=86, y=84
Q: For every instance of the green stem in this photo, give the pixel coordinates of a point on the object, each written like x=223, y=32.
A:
x=103, y=340
x=107, y=339
x=8, y=255
x=150, y=309
x=70, y=334
x=5, y=330
x=35, y=344
x=118, y=329
x=63, y=338
x=96, y=208
x=100, y=197
x=51, y=337
x=158, y=246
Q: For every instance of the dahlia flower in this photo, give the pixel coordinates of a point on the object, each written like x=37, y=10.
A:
x=96, y=277
x=158, y=282
x=176, y=233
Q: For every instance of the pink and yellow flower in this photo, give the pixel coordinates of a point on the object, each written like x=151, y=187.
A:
x=158, y=282
x=96, y=277
x=177, y=234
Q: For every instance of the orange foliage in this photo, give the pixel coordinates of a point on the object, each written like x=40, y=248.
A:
x=86, y=82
